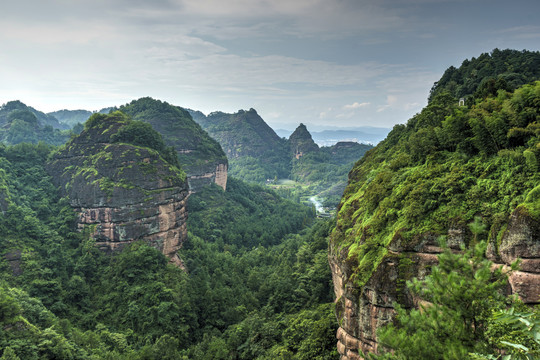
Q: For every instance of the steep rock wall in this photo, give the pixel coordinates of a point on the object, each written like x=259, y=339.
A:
x=124, y=192
x=361, y=310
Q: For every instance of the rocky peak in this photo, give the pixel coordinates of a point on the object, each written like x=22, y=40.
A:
x=124, y=191
x=301, y=142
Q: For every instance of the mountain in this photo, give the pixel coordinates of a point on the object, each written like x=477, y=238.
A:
x=22, y=123
x=244, y=133
x=257, y=154
x=74, y=117
x=478, y=77
x=85, y=235
x=462, y=172
x=124, y=184
x=201, y=156
x=255, y=151
x=301, y=142
x=71, y=117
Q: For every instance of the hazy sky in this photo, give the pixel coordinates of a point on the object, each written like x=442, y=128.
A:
x=321, y=62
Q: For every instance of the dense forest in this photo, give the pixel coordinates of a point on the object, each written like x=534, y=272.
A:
x=468, y=175
x=433, y=227
x=257, y=284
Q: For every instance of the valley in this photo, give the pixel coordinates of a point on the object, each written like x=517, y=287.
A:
x=152, y=231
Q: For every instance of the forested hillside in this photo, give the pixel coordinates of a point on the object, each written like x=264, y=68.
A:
x=256, y=283
x=479, y=77
x=20, y=123
x=254, y=150
x=466, y=173
x=201, y=156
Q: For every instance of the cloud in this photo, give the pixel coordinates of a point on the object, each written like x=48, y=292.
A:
x=356, y=105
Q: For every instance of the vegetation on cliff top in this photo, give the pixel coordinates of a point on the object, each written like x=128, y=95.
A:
x=447, y=165
x=197, y=152
x=500, y=69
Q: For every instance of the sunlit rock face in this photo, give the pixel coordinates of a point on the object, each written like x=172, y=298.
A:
x=122, y=192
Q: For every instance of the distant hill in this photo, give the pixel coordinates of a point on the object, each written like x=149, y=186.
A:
x=21, y=123
x=301, y=142
x=74, y=117
x=71, y=117
x=331, y=136
x=255, y=151
x=257, y=154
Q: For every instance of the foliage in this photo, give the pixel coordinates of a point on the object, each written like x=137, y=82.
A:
x=479, y=77
x=240, y=298
x=197, y=152
x=460, y=295
x=142, y=134
x=446, y=166
x=20, y=123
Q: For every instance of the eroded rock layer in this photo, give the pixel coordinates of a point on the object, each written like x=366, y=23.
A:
x=361, y=310
x=122, y=191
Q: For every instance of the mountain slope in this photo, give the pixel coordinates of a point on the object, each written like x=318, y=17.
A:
x=255, y=151
x=201, y=156
x=448, y=168
x=22, y=123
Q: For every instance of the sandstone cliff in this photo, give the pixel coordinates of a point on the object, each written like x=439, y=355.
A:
x=435, y=176
x=124, y=192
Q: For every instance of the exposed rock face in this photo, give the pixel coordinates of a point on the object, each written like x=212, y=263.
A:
x=301, y=142
x=361, y=310
x=201, y=156
x=124, y=192
x=219, y=177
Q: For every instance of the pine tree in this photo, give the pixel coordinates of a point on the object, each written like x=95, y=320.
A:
x=459, y=296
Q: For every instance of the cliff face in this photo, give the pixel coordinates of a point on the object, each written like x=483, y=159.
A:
x=123, y=192
x=361, y=310
x=301, y=142
x=438, y=175
x=201, y=156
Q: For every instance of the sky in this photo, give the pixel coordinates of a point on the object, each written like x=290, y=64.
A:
x=325, y=63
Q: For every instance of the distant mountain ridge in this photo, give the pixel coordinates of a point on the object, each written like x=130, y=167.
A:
x=21, y=123
x=257, y=154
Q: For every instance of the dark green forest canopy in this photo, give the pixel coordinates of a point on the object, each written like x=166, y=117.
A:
x=478, y=77
x=250, y=296
x=448, y=164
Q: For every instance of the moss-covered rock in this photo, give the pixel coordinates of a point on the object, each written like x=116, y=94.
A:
x=129, y=191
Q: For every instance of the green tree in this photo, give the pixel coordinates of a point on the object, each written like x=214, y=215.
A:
x=459, y=297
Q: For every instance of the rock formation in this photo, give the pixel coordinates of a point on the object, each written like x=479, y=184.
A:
x=201, y=156
x=361, y=310
x=122, y=192
x=301, y=142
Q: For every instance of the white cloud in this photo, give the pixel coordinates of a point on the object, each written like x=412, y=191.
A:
x=356, y=105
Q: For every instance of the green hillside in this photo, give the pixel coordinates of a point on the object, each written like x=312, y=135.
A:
x=479, y=77
x=448, y=164
x=197, y=152
x=21, y=123
x=254, y=150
